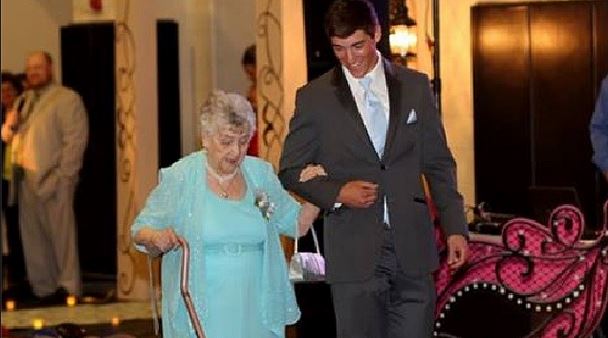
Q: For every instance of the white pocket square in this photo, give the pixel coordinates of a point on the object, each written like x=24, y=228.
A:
x=412, y=117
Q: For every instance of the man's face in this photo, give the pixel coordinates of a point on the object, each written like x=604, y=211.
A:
x=38, y=70
x=250, y=71
x=357, y=52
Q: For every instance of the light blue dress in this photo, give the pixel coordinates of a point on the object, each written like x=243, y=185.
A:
x=238, y=276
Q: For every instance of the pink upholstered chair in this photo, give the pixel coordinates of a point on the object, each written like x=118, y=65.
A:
x=534, y=280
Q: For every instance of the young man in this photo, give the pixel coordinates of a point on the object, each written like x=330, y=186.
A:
x=374, y=128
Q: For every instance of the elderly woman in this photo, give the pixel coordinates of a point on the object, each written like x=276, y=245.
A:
x=238, y=278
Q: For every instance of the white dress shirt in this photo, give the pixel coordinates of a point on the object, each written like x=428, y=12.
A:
x=380, y=90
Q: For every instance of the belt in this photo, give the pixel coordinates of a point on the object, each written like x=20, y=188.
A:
x=232, y=249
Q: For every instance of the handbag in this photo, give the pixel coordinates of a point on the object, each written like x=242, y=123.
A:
x=307, y=266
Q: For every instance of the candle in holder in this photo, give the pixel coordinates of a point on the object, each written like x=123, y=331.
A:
x=38, y=323
x=115, y=321
x=10, y=305
x=71, y=301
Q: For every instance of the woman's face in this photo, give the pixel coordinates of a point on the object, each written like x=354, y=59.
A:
x=226, y=148
x=9, y=94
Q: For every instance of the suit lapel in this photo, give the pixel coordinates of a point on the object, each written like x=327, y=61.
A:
x=347, y=101
x=394, y=87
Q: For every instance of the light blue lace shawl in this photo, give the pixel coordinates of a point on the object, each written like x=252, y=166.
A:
x=170, y=204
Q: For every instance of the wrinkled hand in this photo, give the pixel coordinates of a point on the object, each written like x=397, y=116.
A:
x=311, y=171
x=308, y=214
x=358, y=194
x=458, y=251
x=160, y=241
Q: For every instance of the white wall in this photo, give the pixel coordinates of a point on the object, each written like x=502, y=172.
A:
x=30, y=25
x=234, y=29
x=194, y=27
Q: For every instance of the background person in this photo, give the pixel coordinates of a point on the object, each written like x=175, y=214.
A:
x=49, y=136
x=14, y=281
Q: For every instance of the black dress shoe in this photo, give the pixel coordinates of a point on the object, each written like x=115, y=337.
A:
x=22, y=295
x=56, y=298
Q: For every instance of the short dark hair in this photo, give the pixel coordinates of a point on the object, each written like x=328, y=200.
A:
x=344, y=17
x=249, y=57
x=14, y=80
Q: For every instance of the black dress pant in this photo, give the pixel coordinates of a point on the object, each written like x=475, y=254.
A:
x=391, y=304
x=13, y=264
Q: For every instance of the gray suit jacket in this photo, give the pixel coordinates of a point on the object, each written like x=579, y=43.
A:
x=327, y=129
x=51, y=139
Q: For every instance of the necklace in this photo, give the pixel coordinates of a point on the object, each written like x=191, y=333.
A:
x=222, y=179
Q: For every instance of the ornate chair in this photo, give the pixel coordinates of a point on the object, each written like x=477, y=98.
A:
x=532, y=281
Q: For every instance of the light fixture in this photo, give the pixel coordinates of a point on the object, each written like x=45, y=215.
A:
x=38, y=323
x=403, y=36
x=70, y=301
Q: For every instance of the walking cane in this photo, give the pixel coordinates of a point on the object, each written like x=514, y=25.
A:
x=184, y=288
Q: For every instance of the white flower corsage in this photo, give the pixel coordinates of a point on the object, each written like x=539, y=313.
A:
x=263, y=203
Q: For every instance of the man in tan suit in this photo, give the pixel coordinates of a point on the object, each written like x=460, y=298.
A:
x=49, y=132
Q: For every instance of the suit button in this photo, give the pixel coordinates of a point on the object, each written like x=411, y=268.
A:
x=382, y=167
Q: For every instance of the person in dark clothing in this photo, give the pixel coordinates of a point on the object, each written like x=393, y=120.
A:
x=13, y=267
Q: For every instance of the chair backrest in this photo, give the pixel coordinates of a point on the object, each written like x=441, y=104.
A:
x=538, y=279
x=542, y=200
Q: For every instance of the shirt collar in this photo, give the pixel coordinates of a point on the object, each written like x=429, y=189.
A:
x=42, y=90
x=376, y=73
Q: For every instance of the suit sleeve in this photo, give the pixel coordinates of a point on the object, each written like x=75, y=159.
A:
x=439, y=168
x=75, y=133
x=302, y=147
x=599, y=128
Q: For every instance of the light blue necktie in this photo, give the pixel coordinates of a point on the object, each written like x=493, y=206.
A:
x=376, y=126
x=377, y=123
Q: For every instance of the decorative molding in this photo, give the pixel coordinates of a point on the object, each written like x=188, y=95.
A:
x=125, y=99
x=270, y=82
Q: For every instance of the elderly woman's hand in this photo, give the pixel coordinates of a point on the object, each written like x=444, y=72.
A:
x=157, y=242
x=311, y=171
x=308, y=214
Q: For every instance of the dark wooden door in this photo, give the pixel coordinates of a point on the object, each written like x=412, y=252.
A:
x=537, y=67
x=169, y=129
x=501, y=100
x=87, y=63
x=561, y=84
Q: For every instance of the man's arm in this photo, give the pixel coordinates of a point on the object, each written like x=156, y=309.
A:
x=439, y=169
x=11, y=122
x=75, y=132
x=301, y=148
x=9, y=127
x=598, y=129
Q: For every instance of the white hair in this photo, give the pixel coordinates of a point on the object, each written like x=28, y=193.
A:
x=226, y=109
